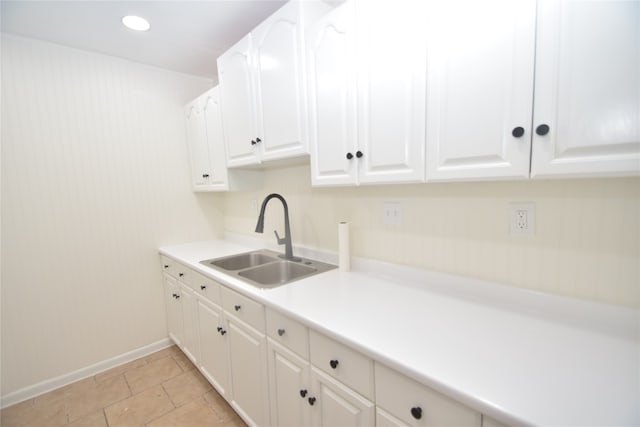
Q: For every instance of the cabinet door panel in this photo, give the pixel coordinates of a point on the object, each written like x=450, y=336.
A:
x=281, y=120
x=197, y=139
x=289, y=375
x=214, y=356
x=391, y=114
x=332, y=92
x=234, y=69
x=215, y=138
x=587, y=88
x=191, y=342
x=338, y=405
x=480, y=87
x=175, y=326
x=248, y=361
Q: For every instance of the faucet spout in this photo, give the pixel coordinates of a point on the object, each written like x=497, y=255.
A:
x=286, y=240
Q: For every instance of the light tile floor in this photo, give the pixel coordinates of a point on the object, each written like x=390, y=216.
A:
x=162, y=389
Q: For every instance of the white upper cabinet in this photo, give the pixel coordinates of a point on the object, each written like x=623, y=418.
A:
x=391, y=90
x=264, y=88
x=587, y=88
x=205, y=140
x=332, y=97
x=480, y=88
x=236, y=92
x=481, y=97
x=366, y=67
x=213, y=127
x=197, y=141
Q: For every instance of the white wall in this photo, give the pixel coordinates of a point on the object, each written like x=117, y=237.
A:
x=587, y=243
x=94, y=178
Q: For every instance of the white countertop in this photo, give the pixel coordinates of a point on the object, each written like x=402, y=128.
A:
x=519, y=356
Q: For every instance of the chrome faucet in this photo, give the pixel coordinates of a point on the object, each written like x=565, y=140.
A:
x=286, y=241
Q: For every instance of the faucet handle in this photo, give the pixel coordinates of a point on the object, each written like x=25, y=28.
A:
x=280, y=241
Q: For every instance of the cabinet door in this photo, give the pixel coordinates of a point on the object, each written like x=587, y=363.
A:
x=337, y=405
x=332, y=97
x=191, y=342
x=391, y=93
x=197, y=143
x=385, y=419
x=215, y=138
x=234, y=71
x=248, y=361
x=289, y=387
x=280, y=87
x=173, y=305
x=214, y=356
x=480, y=89
x=587, y=88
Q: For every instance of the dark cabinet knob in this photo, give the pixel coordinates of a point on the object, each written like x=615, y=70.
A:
x=177, y=296
x=333, y=363
x=180, y=274
x=174, y=295
x=281, y=332
x=517, y=132
x=416, y=412
x=312, y=400
x=205, y=175
x=237, y=307
x=349, y=156
x=222, y=332
x=258, y=140
x=359, y=154
x=303, y=393
x=253, y=142
x=166, y=266
x=219, y=328
x=542, y=130
x=203, y=287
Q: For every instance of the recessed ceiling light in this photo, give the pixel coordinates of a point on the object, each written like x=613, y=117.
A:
x=136, y=23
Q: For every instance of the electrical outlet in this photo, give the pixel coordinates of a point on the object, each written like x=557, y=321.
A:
x=392, y=213
x=522, y=219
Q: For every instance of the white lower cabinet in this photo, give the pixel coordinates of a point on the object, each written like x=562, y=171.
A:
x=275, y=371
x=248, y=372
x=289, y=381
x=175, y=326
x=335, y=404
x=191, y=341
x=405, y=402
x=289, y=387
x=248, y=376
x=214, y=360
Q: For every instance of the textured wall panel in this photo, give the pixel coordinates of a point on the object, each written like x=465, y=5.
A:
x=94, y=178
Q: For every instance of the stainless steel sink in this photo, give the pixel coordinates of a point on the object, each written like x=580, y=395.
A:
x=277, y=273
x=266, y=269
x=241, y=261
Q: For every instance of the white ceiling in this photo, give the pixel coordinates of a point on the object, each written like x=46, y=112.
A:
x=185, y=36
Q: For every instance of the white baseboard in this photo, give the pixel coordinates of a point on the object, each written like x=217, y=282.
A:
x=57, y=382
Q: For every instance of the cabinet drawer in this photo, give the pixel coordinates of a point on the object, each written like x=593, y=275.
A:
x=342, y=363
x=243, y=308
x=288, y=332
x=418, y=405
x=206, y=287
x=168, y=265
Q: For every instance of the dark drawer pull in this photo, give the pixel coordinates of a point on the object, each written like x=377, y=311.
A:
x=334, y=363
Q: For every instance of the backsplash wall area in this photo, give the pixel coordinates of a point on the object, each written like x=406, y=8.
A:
x=587, y=241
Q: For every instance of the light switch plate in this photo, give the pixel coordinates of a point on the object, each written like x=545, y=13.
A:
x=392, y=213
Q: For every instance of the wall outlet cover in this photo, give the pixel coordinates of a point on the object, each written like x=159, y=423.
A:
x=522, y=219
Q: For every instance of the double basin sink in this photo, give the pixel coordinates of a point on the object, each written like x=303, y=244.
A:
x=267, y=269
